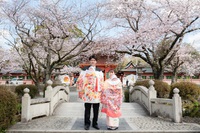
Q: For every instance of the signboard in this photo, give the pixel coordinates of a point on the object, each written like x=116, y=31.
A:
x=65, y=79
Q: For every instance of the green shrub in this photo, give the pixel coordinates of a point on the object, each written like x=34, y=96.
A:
x=8, y=108
x=162, y=88
x=53, y=85
x=192, y=112
x=188, y=91
x=142, y=83
x=20, y=90
x=126, y=95
x=9, y=87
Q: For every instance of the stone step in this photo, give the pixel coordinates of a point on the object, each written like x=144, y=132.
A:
x=76, y=109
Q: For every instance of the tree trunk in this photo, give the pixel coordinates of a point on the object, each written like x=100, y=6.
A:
x=174, y=76
x=47, y=75
x=48, y=69
x=37, y=84
x=158, y=72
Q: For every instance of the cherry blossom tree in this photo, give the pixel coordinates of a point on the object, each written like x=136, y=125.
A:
x=153, y=30
x=186, y=55
x=3, y=59
x=52, y=33
x=23, y=59
x=8, y=61
x=15, y=59
x=192, y=66
x=70, y=70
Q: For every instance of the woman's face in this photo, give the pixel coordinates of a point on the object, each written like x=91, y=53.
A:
x=111, y=73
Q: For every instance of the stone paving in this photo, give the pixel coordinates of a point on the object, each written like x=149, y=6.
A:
x=155, y=123
x=68, y=117
x=46, y=123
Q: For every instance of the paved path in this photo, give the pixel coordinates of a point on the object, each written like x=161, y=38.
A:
x=68, y=118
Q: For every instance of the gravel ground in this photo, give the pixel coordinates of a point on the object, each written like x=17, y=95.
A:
x=191, y=120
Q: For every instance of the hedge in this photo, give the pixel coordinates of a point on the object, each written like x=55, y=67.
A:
x=162, y=88
x=188, y=90
x=20, y=90
x=8, y=108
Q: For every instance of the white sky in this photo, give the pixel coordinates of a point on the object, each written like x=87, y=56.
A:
x=2, y=40
x=192, y=38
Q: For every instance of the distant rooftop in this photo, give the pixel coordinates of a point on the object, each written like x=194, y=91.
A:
x=13, y=72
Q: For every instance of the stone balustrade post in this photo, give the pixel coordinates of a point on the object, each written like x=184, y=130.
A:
x=152, y=93
x=177, y=106
x=26, y=103
x=68, y=91
x=130, y=95
x=49, y=94
x=48, y=91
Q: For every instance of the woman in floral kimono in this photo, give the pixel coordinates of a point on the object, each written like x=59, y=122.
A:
x=111, y=99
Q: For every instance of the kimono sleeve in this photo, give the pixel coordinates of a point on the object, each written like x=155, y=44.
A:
x=101, y=79
x=103, y=93
x=121, y=94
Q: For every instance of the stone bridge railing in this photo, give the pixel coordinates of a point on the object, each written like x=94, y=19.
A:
x=167, y=108
x=32, y=108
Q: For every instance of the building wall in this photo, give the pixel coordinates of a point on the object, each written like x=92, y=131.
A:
x=5, y=78
x=104, y=67
x=167, y=77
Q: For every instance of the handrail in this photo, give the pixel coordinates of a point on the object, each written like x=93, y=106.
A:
x=171, y=108
x=40, y=100
x=141, y=88
x=46, y=105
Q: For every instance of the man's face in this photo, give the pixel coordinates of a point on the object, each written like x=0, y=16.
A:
x=93, y=62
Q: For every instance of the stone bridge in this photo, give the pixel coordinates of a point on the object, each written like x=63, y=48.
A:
x=62, y=112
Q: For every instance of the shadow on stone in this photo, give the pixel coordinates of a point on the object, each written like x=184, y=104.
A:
x=79, y=124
